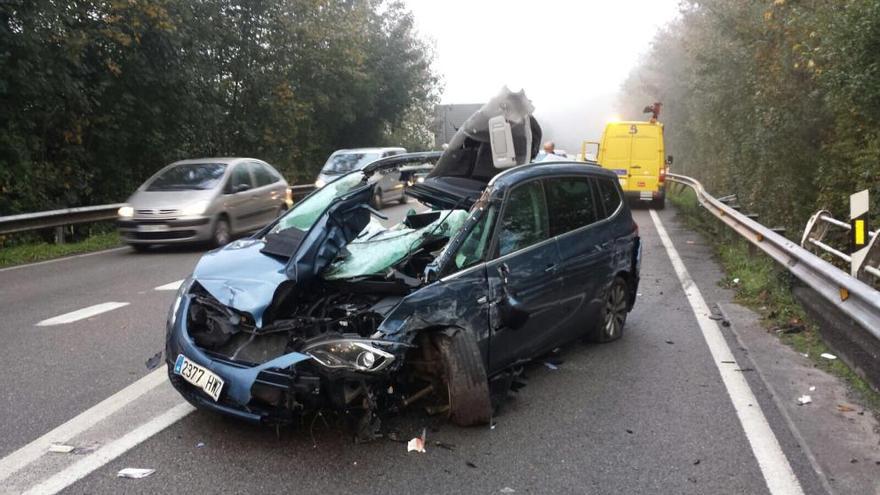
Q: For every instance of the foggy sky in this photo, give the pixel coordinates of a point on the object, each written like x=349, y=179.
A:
x=570, y=56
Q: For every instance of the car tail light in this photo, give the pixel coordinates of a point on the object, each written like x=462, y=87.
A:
x=662, y=175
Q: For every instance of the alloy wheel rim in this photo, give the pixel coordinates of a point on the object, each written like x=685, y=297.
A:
x=615, y=311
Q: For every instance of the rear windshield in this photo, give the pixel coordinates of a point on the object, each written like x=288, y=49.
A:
x=188, y=176
x=346, y=162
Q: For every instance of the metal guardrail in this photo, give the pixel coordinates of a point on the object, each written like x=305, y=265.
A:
x=86, y=214
x=851, y=296
x=814, y=235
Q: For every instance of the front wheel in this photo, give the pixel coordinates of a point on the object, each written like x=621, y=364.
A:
x=221, y=235
x=612, y=318
x=464, y=376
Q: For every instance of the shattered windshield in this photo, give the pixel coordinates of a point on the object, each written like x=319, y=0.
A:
x=346, y=162
x=188, y=176
x=304, y=215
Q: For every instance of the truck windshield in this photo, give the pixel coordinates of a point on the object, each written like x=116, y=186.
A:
x=189, y=176
x=346, y=162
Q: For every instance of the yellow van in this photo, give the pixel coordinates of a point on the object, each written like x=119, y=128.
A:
x=635, y=152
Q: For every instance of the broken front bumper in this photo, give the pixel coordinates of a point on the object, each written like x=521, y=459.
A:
x=271, y=392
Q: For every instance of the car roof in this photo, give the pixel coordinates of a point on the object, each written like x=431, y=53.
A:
x=227, y=160
x=522, y=173
x=367, y=150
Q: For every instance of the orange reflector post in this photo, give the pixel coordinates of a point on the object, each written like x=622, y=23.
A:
x=844, y=294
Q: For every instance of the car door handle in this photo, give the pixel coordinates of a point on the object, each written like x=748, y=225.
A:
x=550, y=268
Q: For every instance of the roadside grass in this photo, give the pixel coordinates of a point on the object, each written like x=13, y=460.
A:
x=761, y=285
x=41, y=251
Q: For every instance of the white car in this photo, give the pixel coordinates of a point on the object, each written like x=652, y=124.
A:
x=389, y=188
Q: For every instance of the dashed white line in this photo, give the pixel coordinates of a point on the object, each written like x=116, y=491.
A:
x=172, y=286
x=85, y=420
x=778, y=475
x=82, y=314
x=112, y=450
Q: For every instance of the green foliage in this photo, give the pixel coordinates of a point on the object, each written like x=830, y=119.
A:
x=97, y=95
x=774, y=100
x=39, y=251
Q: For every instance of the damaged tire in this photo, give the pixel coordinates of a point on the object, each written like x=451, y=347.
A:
x=465, y=379
x=612, y=318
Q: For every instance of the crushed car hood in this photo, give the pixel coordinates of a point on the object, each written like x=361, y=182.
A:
x=466, y=166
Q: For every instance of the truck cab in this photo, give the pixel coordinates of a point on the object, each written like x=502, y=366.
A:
x=634, y=151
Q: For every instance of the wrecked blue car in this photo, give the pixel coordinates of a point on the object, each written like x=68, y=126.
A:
x=327, y=309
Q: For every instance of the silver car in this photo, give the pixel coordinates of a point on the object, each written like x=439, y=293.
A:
x=208, y=199
x=390, y=186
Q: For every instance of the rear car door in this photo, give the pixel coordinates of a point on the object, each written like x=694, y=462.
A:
x=268, y=192
x=585, y=249
x=527, y=252
x=241, y=206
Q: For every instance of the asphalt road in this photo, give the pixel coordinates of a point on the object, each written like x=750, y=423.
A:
x=646, y=414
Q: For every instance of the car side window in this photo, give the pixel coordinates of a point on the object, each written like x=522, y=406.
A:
x=571, y=205
x=525, y=219
x=476, y=244
x=261, y=174
x=609, y=195
x=240, y=176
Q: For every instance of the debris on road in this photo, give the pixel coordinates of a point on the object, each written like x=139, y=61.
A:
x=629, y=431
x=154, y=361
x=812, y=388
x=736, y=281
x=804, y=400
x=844, y=408
x=471, y=464
x=135, y=473
x=417, y=444
x=670, y=342
x=550, y=365
x=697, y=462
x=828, y=356
x=508, y=489
x=60, y=448
x=200, y=445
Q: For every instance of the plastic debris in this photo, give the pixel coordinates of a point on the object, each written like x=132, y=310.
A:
x=804, y=400
x=828, y=356
x=135, y=473
x=551, y=366
x=200, y=445
x=804, y=354
x=417, y=444
x=60, y=448
x=154, y=361
x=508, y=489
x=812, y=389
x=736, y=281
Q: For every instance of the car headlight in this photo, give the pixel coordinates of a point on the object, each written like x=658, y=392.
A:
x=420, y=179
x=320, y=183
x=125, y=212
x=181, y=293
x=351, y=354
x=193, y=209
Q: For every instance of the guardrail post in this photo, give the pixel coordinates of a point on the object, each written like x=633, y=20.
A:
x=59, y=234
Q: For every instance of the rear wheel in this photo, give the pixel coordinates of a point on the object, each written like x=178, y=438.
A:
x=612, y=318
x=222, y=234
x=659, y=203
x=377, y=199
x=465, y=379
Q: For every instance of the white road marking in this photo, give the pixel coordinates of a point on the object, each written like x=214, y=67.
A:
x=82, y=314
x=85, y=420
x=112, y=450
x=778, y=475
x=66, y=258
x=172, y=286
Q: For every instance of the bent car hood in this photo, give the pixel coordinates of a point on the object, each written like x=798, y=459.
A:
x=466, y=166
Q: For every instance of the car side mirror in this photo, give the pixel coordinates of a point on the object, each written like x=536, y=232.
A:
x=501, y=141
x=240, y=188
x=510, y=311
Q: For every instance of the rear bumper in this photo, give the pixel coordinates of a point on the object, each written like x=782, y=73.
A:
x=645, y=195
x=165, y=231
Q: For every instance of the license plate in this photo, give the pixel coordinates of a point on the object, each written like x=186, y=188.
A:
x=152, y=228
x=199, y=376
